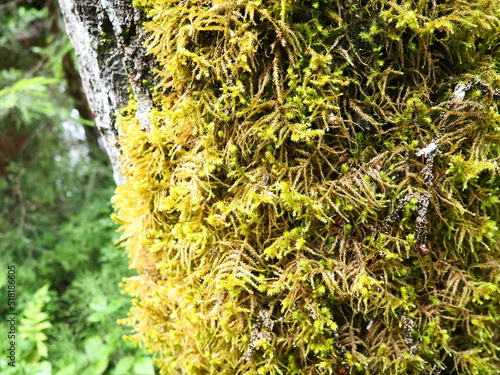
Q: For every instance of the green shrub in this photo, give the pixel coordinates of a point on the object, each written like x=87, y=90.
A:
x=55, y=187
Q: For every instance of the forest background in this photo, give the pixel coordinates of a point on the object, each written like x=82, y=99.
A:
x=55, y=226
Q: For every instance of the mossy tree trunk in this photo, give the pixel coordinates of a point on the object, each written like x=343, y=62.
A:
x=108, y=40
x=309, y=187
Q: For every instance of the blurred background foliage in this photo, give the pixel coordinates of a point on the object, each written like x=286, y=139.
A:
x=55, y=189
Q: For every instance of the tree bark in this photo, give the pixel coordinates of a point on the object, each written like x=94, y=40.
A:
x=108, y=47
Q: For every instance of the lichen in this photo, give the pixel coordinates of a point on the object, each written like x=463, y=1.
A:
x=318, y=191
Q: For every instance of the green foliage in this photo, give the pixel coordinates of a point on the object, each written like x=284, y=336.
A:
x=54, y=213
x=317, y=191
x=29, y=97
x=33, y=323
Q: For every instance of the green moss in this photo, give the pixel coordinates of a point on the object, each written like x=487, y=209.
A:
x=317, y=192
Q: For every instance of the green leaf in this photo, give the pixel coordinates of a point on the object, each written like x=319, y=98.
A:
x=123, y=366
x=144, y=366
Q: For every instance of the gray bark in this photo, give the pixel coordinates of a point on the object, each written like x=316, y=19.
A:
x=107, y=39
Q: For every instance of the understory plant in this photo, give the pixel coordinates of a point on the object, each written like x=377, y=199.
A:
x=56, y=236
x=316, y=191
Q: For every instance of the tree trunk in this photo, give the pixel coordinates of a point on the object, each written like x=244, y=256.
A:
x=316, y=190
x=111, y=60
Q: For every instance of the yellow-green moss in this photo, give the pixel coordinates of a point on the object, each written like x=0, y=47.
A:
x=318, y=191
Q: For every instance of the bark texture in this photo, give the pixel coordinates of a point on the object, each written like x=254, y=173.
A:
x=111, y=61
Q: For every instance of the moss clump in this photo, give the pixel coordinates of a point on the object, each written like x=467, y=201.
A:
x=318, y=191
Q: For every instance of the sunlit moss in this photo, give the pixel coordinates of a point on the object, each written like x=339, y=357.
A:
x=317, y=192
